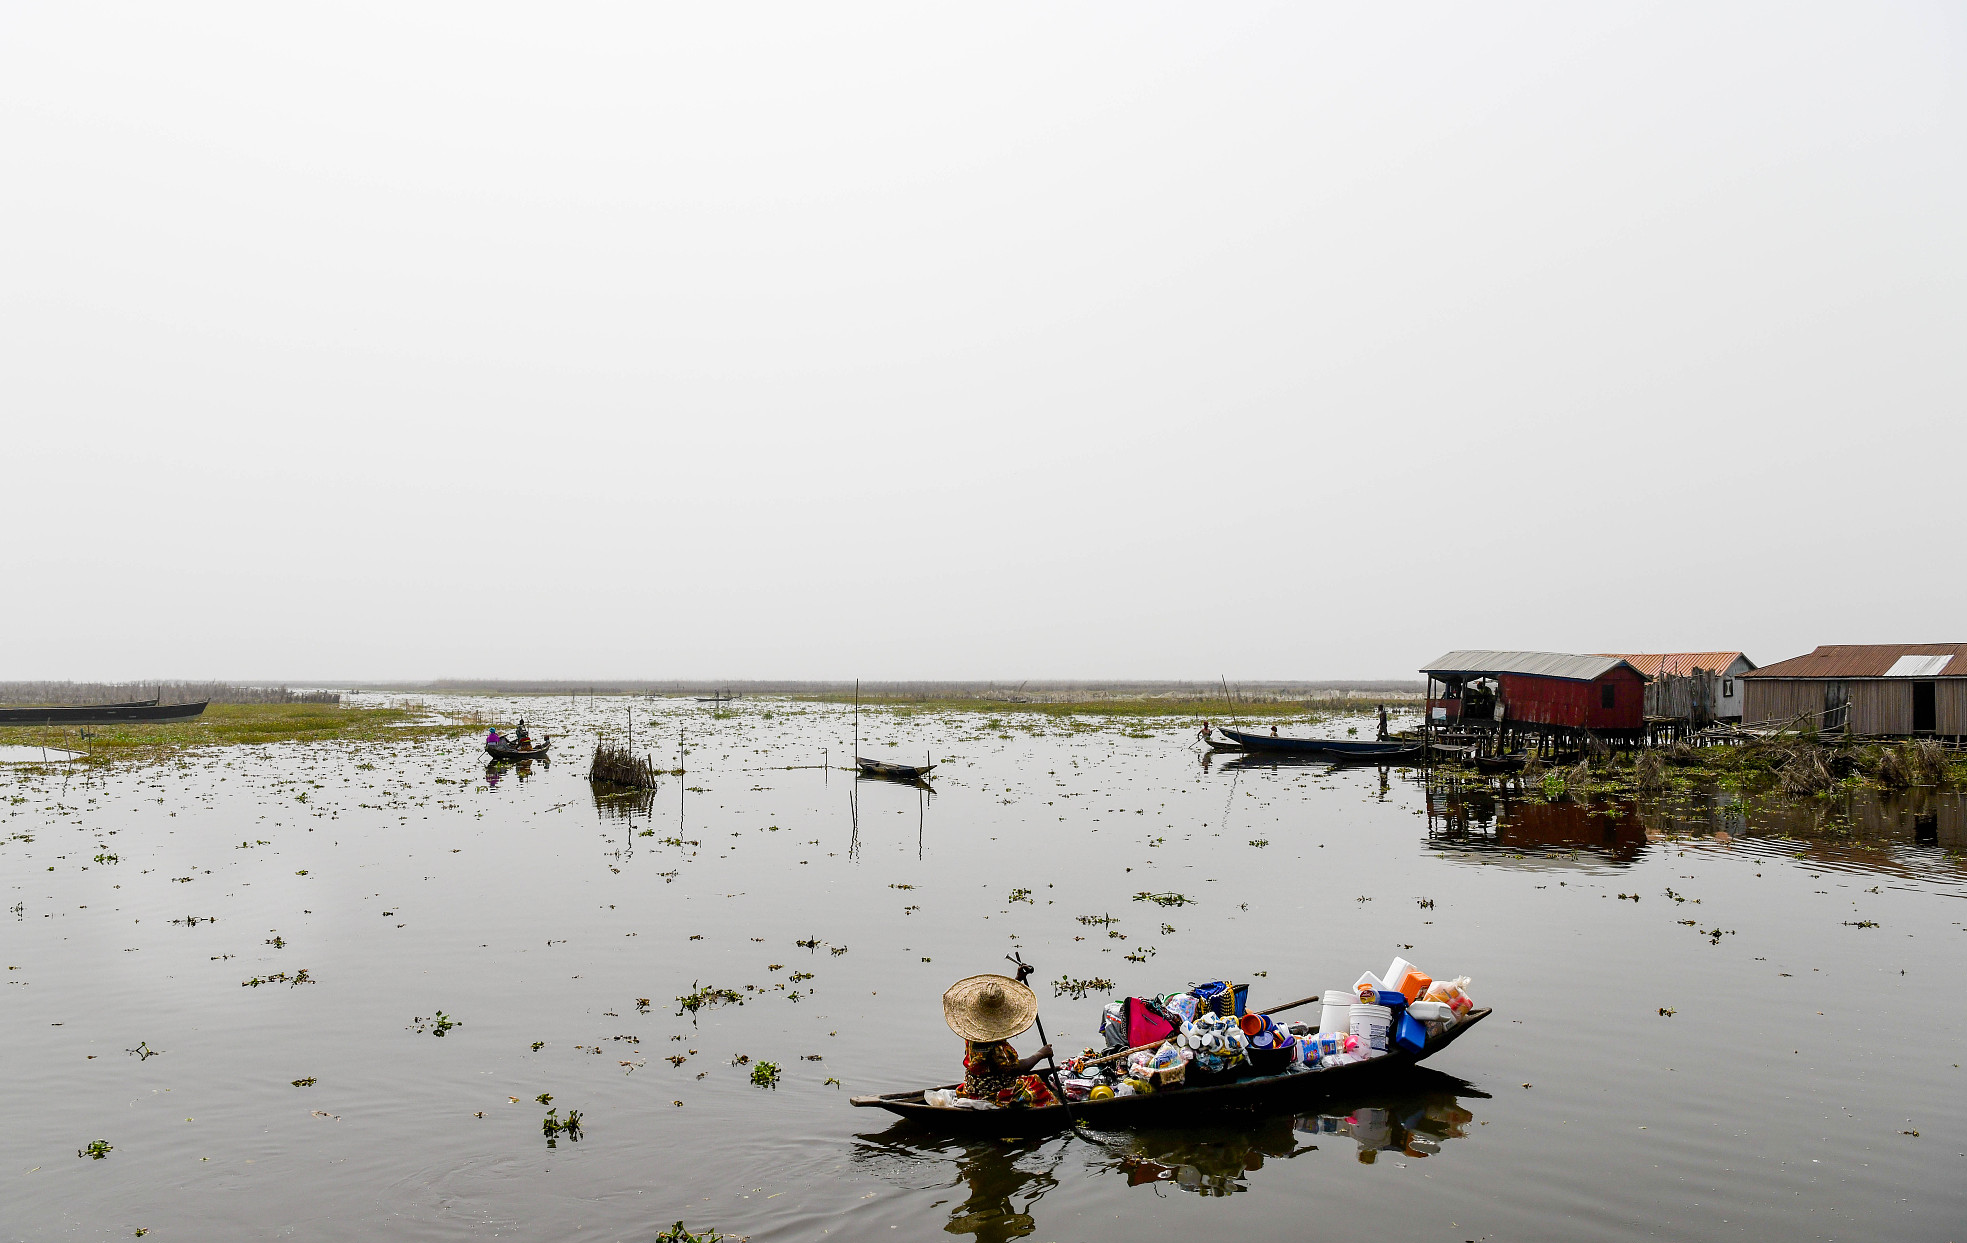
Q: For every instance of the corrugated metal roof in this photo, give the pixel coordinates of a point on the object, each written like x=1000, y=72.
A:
x=1679, y=664
x=1566, y=665
x=1864, y=660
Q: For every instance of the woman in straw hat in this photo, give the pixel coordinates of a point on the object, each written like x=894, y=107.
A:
x=987, y=1010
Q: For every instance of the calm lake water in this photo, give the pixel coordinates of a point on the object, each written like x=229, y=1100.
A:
x=1806, y=1083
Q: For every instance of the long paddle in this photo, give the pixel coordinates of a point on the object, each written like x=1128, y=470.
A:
x=1058, y=1084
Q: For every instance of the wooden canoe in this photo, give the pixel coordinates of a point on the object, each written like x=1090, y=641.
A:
x=1349, y=747
x=513, y=755
x=893, y=772
x=1288, y=1090
x=100, y=714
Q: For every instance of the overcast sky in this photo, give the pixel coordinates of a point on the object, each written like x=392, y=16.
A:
x=1050, y=340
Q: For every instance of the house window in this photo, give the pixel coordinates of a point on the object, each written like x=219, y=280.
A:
x=1608, y=695
x=1727, y=688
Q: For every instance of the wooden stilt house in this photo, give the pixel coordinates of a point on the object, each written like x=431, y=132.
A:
x=1871, y=689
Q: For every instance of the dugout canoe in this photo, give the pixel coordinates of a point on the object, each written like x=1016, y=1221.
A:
x=512, y=755
x=893, y=772
x=100, y=714
x=1288, y=1090
x=1350, y=747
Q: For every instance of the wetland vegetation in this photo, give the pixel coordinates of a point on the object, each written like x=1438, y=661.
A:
x=251, y=724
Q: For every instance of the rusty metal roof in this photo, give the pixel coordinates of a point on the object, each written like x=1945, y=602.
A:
x=1865, y=660
x=1679, y=664
x=1565, y=665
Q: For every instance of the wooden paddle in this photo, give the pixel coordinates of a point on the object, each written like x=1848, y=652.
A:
x=1058, y=1083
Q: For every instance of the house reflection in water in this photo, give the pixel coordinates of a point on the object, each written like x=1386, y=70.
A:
x=1477, y=818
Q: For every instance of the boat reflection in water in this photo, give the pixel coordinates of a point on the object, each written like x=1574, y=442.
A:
x=1007, y=1180
x=496, y=771
x=1218, y=1160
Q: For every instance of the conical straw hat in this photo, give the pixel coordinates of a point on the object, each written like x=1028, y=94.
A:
x=989, y=1007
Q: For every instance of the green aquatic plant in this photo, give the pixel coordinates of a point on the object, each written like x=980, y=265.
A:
x=765, y=1075
x=437, y=1024
x=96, y=1149
x=304, y=1083
x=1164, y=899
x=1066, y=986
x=702, y=995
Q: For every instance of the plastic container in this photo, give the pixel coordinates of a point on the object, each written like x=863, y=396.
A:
x=1255, y=1025
x=1338, y=1010
x=1364, y=983
x=1406, y=979
x=1408, y=1034
x=1390, y=998
x=1372, y=1026
x=1432, y=1012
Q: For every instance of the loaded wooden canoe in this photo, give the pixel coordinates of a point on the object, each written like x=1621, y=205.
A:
x=1288, y=1090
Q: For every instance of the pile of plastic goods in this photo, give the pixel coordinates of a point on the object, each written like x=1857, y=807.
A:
x=1153, y=1044
x=1397, y=1011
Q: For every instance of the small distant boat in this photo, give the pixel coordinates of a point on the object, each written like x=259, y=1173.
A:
x=101, y=714
x=893, y=772
x=1314, y=746
x=513, y=754
x=1502, y=763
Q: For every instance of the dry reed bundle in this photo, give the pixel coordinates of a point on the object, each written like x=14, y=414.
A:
x=1806, y=773
x=1649, y=771
x=617, y=765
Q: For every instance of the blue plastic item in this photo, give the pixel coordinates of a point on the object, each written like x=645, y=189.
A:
x=1409, y=1034
x=1390, y=998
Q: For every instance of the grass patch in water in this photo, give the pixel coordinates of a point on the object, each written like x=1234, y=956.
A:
x=224, y=725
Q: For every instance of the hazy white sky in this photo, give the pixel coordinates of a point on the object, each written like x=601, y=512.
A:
x=1138, y=340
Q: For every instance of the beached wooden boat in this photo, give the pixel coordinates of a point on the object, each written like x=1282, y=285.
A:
x=1314, y=746
x=100, y=714
x=512, y=754
x=1501, y=763
x=1287, y=1090
x=893, y=772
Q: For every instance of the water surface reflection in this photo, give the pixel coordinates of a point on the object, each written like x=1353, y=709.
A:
x=1003, y=1182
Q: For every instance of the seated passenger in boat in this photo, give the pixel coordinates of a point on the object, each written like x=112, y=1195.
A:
x=987, y=1010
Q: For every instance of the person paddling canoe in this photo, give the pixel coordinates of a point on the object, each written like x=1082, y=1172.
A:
x=987, y=1010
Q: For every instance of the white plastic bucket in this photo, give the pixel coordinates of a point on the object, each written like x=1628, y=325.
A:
x=1337, y=1014
x=1372, y=1026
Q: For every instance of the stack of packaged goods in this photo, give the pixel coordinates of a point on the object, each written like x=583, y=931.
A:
x=1207, y=1033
